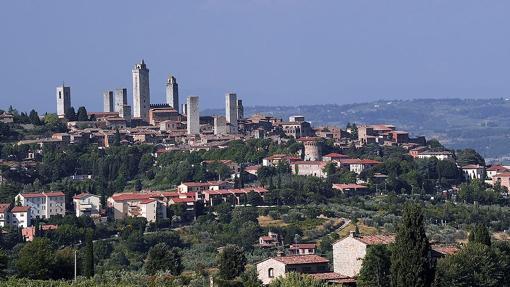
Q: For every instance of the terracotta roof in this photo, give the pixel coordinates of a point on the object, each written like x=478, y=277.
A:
x=252, y=167
x=310, y=162
x=336, y=155
x=20, y=209
x=4, y=207
x=341, y=186
x=301, y=259
x=497, y=168
x=358, y=161
x=503, y=174
x=183, y=200
x=53, y=194
x=81, y=195
x=43, y=194
x=146, y=201
x=472, y=166
x=446, y=249
x=376, y=239
x=303, y=246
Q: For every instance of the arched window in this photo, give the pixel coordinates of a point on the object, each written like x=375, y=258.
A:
x=270, y=272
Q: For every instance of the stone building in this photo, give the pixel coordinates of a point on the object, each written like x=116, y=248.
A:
x=193, y=116
x=312, y=148
x=220, y=125
x=141, y=91
x=120, y=96
x=240, y=109
x=63, y=100
x=275, y=267
x=172, y=93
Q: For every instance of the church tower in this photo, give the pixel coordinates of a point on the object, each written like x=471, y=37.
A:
x=141, y=91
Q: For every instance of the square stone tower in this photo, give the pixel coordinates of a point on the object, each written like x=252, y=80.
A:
x=108, y=101
x=63, y=100
x=172, y=93
x=193, y=116
x=120, y=99
x=231, y=111
x=141, y=91
x=220, y=125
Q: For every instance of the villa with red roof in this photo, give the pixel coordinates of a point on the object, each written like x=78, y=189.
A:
x=275, y=267
x=357, y=165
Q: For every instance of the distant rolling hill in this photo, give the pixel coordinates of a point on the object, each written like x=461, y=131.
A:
x=458, y=123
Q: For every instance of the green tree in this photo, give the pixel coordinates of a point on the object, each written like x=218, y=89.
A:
x=163, y=258
x=70, y=114
x=4, y=260
x=82, y=114
x=232, y=262
x=116, y=138
x=296, y=280
x=34, y=118
x=375, y=270
x=35, y=259
x=88, y=268
x=410, y=263
x=480, y=234
x=475, y=265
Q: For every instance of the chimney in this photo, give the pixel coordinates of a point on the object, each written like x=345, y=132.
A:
x=280, y=253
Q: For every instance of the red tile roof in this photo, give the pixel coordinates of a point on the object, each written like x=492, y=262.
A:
x=146, y=201
x=358, y=161
x=17, y=209
x=301, y=259
x=336, y=155
x=472, y=166
x=183, y=200
x=4, y=207
x=329, y=276
x=303, y=246
x=446, y=250
x=341, y=186
x=81, y=195
x=42, y=194
x=376, y=239
x=497, y=168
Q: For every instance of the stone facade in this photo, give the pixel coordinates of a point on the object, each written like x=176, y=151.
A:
x=63, y=100
x=108, y=101
x=347, y=256
x=120, y=96
x=141, y=91
x=172, y=93
x=231, y=111
x=220, y=125
x=193, y=116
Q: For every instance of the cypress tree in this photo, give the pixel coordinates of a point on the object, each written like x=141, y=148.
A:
x=88, y=269
x=480, y=234
x=410, y=259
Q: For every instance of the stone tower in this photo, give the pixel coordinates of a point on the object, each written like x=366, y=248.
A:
x=120, y=99
x=108, y=101
x=141, y=91
x=172, y=93
x=240, y=109
x=312, y=148
x=193, y=116
x=63, y=100
x=231, y=111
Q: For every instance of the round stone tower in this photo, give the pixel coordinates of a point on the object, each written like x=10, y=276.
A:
x=312, y=148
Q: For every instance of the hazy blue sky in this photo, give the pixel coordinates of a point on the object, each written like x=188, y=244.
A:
x=270, y=52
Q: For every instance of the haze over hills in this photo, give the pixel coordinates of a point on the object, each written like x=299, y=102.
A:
x=482, y=124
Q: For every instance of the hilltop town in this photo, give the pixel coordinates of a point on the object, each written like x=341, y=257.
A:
x=159, y=192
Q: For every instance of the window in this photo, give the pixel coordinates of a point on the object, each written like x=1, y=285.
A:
x=270, y=273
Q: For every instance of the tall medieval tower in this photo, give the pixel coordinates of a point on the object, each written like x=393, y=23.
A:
x=172, y=93
x=141, y=91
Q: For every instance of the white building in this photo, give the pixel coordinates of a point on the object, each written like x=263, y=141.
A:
x=86, y=204
x=474, y=171
x=43, y=205
x=440, y=155
x=63, y=100
x=108, y=102
x=193, y=116
x=21, y=216
x=141, y=91
x=5, y=215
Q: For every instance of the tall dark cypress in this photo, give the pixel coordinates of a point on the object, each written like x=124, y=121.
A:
x=88, y=269
x=410, y=259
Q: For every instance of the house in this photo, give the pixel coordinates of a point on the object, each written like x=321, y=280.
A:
x=21, y=216
x=200, y=187
x=503, y=179
x=270, y=240
x=86, y=204
x=357, y=165
x=234, y=196
x=440, y=155
x=474, y=171
x=6, y=118
x=350, y=187
x=313, y=168
x=275, y=267
x=29, y=233
x=334, y=157
x=275, y=159
x=495, y=169
x=150, y=205
x=302, y=248
x=5, y=214
x=348, y=253
x=43, y=205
